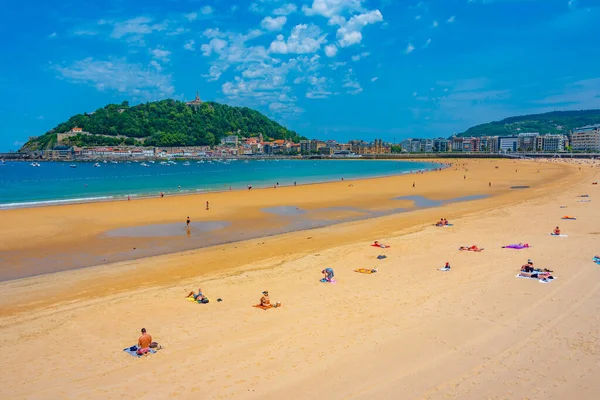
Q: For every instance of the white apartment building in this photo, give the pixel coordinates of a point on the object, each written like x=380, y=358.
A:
x=586, y=138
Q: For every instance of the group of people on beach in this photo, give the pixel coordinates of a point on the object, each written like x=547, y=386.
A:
x=529, y=271
x=442, y=222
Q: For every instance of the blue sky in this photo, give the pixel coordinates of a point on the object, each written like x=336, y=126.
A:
x=334, y=69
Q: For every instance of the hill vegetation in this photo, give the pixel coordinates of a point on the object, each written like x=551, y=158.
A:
x=163, y=123
x=551, y=122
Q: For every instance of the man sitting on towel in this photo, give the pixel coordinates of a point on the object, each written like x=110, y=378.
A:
x=264, y=300
x=528, y=267
x=144, y=342
x=556, y=231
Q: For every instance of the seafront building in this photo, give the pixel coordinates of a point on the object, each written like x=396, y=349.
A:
x=584, y=139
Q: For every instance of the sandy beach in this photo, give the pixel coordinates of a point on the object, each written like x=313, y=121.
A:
x=407, y=331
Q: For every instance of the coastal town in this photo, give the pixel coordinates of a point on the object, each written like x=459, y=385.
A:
x=580, y=140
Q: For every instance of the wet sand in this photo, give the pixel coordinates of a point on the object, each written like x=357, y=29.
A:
x=474, y=332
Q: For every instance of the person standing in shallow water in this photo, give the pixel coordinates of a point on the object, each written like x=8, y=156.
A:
x=187, y=221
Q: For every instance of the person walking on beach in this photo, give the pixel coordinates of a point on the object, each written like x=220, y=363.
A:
x=188, y=221
x=144, y=342
x=162, y=195
x=490, y=184
x=413, y=184
x=207, y=206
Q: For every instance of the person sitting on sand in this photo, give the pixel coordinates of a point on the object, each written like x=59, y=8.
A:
x=440, y=222
x=328, y=273
x=445, y=222
x=198, y=297
x=447, y=266
x=264, y=300
x=556, y=231
x=144, y=342
x=528, y=267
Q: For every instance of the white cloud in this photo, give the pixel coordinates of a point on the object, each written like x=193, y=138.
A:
x=40, y=117
x=331, y=50
x=215, y=45
x=52, y=35
x=435, y=24
x=189, y=45
x=409, y=48
x=451, y=19
x=572, y=4
x=120, y=76
x=336, y=65
x=191, y=16
x=156, y=65
x=374, y=79
x=273, y=24
x=358, y=57
x=351, y=83
x=215, y=72
x=85, y=32
x=136, y=27
x=303, y=39
x=161, y=54
x=350, y=32
x=418, y=17
x=206, y=10
x=427, y=43
x=286, y=9
x=330, y=8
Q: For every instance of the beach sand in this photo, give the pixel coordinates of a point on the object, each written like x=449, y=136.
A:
x=408, y=331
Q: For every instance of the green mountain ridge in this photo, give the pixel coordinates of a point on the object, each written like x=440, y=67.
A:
x=550, y=122
x=164, y=123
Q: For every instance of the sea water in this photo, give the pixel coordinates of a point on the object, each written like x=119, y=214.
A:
x=56, y=182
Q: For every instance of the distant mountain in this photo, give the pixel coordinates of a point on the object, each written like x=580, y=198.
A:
x=551, y=122
x=163, y=123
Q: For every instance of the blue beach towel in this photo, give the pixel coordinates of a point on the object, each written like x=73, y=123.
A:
x=596, y=260
x=132, y=351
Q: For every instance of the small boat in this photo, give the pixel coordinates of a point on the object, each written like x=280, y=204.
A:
x=144, y=164
x=151, y=162
x=97, y=165
x=104, y=161
x=186, y=163
x=34, y=164
x=72, y=166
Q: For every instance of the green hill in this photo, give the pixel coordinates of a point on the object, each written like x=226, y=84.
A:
x=163, y=123
x=551, y=122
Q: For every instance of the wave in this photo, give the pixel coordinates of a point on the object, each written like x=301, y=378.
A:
x=54, y=202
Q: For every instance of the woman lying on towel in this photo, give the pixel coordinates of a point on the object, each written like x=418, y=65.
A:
x=377, y=244
x=471, y=248
x=544, y=276
x=516, y=246
x=568, y=217
x=200, y=298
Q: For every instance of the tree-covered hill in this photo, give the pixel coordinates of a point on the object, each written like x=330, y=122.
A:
x=551, y=122
x=164, y=123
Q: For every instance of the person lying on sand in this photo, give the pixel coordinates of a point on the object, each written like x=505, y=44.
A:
x=470, y=248
x=198, y=297
x=556, y=231
x=144, y=342
x=377, y=244
x=366, y=270
x=544, y=276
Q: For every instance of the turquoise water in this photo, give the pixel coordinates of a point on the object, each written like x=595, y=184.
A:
x=56, y=182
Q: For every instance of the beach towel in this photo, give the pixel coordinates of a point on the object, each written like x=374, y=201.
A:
x=133, y=349
x=583, y=201
x=383, y=246
x=561, y=235
x=567, y=217
x=516, y=246
x=537, y=279
x=444, y=269
x=199, y=301
x=443, y=226
x=325, y=280
x=596, y=260
x=381, y=257
x=267, y=307
x=366, y=270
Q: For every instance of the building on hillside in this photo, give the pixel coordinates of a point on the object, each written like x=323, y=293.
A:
x=586, y=138
x=196, y=102
x=305, y=146
x=231, y=140
x=326, y=151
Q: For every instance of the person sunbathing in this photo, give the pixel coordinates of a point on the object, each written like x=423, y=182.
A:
x=470, y=248
x=440, y=222
x=544, y=276
x=447, y=266
x=265, y=301
x=556, y=231
x=527, y=267
x=199, y=297
x=377, y=244
x=144, y=342
x=445, y=221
